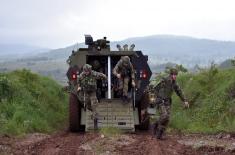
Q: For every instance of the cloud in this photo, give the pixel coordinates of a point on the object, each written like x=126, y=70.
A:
x=57, y=23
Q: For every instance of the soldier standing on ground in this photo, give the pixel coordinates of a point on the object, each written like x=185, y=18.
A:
x=87, y=82
x=124, y=71
x=164, y=90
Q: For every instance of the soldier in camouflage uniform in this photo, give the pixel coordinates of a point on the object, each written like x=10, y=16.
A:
x=101, y=85
x=87, y=82
x=164, y=90
x=124, y=71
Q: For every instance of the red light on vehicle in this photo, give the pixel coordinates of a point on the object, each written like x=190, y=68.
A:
x=74, y=76
x=143, y=74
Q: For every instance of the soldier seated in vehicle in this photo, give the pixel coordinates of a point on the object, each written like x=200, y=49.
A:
x=124, y=71
x=87, y=82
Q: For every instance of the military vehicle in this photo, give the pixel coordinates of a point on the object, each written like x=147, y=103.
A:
x=112, y=112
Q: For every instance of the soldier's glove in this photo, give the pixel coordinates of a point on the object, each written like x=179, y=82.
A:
x=105, y=77
x=186, y=104
x=119, y=76
x=79, y=88
x=133, y=83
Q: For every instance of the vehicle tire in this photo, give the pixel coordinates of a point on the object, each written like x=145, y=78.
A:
x=74, y=113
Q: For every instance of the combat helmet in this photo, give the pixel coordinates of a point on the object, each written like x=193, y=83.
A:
x=173, y=71
x=126, y=60
x=87, y=68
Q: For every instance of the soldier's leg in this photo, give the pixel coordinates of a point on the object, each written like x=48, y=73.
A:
x=125, y=86
x=120, y=86
x=87, y=101
x=94, y=103
x=164, y=110
x=155, y=125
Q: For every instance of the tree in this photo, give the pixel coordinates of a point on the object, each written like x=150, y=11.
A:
x=233, y=61
x=181, y=68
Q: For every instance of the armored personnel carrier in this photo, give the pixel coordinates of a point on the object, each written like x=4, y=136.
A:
x=112, y=112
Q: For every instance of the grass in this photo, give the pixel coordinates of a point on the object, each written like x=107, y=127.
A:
x=111, y=131
x=30, y=103
x=211, y=94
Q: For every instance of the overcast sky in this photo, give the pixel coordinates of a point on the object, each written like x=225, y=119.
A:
x=59, y=23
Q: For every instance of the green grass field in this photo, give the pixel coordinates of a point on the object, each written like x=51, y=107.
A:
x=30, y=103
x=211, y=94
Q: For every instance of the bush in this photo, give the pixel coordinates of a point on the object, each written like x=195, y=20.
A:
x=212, y=102
x=30, y=103
x=211, y=94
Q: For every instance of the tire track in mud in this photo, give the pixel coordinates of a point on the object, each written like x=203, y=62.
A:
x=64, y=143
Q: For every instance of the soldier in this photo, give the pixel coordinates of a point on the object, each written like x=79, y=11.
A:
x=96, y=66
x=87, y=83
x=101, y=85
x=164, y=90
x=124, y=71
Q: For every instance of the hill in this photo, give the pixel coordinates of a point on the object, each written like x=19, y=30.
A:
x=30, y=103
x=161, y=50
x=226, y=64
x=168, y=48
x=15, y=51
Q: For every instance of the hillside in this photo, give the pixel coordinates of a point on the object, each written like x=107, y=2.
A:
x=15, y=51
x=30, y=103
x=168, y=48
x=211, y=94
x=161, y=49
x=226, y=64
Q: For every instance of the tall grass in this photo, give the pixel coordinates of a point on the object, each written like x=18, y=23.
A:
x=211, y=94
x=30, y=103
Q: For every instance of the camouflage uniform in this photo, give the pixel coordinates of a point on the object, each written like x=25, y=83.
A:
x=87, y=82
x=164, y=91
x=126, y=70
x=101, y=85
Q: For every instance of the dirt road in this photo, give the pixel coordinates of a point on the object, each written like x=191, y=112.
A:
x=64, y=143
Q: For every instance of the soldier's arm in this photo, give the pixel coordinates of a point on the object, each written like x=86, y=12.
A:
x=99, y=75
x=179, y=92
x=79, y=78
x=158, y=86
x=115, y=70
x=132, y=72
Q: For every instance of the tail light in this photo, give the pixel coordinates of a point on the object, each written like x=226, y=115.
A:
x=143, y=74
x=74, y=76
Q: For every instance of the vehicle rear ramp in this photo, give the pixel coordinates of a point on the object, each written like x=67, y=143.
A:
x=112, y=113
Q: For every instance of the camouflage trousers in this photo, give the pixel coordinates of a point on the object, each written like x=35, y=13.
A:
x=91, y=103
x=123, y=85
x=164, y=109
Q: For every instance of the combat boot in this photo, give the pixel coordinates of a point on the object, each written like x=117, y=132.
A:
x=95, y=123
x=125, y=99
x=159, y=133
x=155, y=126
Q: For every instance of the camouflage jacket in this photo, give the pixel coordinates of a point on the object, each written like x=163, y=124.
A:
x=165, y=88
x=124, y=71
x=88, y=82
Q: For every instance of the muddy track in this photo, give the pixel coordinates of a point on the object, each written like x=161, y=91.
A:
x=64, y=143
